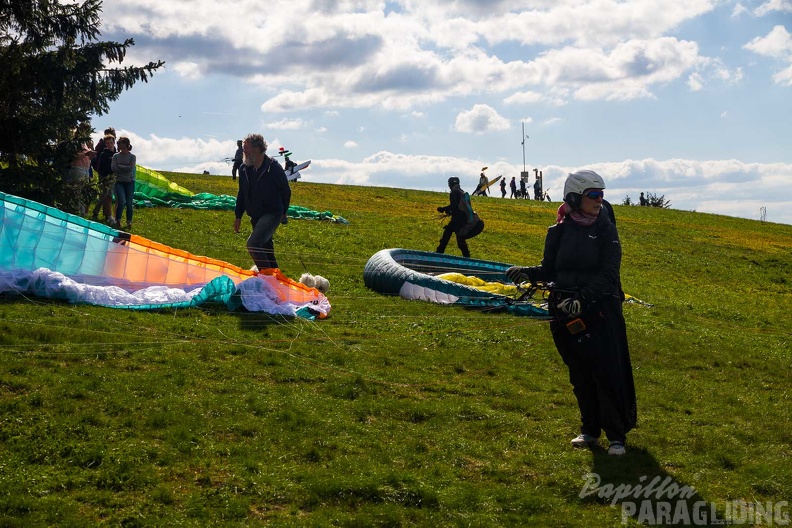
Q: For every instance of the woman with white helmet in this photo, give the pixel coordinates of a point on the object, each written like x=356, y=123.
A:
x=582, y=260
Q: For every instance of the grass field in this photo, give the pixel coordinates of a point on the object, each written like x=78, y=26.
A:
x=392, y=412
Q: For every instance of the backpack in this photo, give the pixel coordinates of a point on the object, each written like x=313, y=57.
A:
x=470, y=215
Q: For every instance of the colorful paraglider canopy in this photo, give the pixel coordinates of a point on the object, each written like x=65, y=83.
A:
x=53, y=254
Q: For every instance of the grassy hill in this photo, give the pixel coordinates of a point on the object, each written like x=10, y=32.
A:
x=391, y=412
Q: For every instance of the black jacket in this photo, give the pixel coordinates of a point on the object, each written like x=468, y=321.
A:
x=584, y=259
x=263, y=191
x=104, y=162
x=458, y=214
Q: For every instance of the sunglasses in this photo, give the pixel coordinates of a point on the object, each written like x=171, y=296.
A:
x=595, y=194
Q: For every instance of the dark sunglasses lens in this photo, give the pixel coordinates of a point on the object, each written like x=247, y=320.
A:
x=596, y=194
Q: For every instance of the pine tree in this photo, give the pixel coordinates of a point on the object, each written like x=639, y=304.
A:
x=55, y=75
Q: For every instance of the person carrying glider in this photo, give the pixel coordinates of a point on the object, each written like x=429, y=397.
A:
x=581, y=263
x=465, y=223
x=264, y=194
x=481, y=188
x=288, y=165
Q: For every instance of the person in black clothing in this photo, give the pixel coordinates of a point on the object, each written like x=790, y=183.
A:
x=106, y=181
x=237, y=160
x=288, y=165
x=644, y=201
x=264, y=194
x=465, y=223
x=582, y=258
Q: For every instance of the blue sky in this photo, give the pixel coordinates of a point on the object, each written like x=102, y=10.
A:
x=687, y=99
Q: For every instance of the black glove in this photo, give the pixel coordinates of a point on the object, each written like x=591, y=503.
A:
x=573, y=306
x=440, y=210
x=519, y=274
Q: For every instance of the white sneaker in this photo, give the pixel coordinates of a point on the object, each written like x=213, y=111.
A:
x=617, y=449
x=584, y=440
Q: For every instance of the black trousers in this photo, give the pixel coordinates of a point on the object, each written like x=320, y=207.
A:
x=451, y=229
x=600, y=371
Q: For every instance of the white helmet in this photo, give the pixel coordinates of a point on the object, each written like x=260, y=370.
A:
x=577, y=183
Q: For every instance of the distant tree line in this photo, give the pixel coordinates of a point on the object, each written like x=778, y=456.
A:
x=55, y=76
x=650, y=200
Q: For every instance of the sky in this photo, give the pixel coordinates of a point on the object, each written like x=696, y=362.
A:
x=686, y=99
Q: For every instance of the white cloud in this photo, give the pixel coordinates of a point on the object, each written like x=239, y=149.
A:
x=784, y=77
x=524, y=98
x=695, y=82
x=480, y=119
x=286, y=124
x=350, y=144
x=776, y=44
x=190, y=70
x=739, y=10
x=783, y=6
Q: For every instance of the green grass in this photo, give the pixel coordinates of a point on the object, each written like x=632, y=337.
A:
x=390, y=412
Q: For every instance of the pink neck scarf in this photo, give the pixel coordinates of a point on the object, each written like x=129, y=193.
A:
x=577, y=216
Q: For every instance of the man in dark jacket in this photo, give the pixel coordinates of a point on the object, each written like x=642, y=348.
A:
x=264, y=194
x=465, y=223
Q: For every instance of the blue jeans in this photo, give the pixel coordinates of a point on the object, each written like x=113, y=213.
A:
x=125, y=192
x=260, y=245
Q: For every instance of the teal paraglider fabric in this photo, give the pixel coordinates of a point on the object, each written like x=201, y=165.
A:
x=413, y=274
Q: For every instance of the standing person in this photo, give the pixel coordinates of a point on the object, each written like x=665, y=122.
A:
x=237, y=160
x=78, y=156
x=104, y=168
x=288, y=165
x=481, y=188
x=503, y=187
x=523, y=192
x=123, y=165
x=513, y=187
x=100, y=144
x=264, y=194
x=465, y=223
x=643, y=200
x=582, y=257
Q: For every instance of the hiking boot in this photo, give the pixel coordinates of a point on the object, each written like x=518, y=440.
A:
x=617, y=449
x=584, y=440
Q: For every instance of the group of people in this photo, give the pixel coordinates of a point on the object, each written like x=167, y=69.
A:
x=581, y=267
x=482, y=188
x=114, y=164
